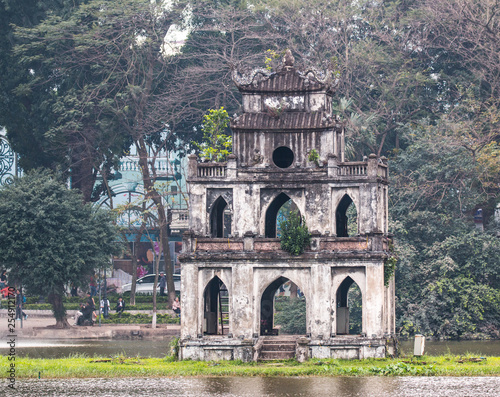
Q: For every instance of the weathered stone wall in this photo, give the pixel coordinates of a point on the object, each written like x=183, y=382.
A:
x=319, y=281
x=316, y=201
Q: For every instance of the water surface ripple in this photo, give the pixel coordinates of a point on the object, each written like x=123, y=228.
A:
x=267, y=387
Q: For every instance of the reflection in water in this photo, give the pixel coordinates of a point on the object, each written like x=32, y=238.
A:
x=268, y=387
x=64, y=348
x=160, y=348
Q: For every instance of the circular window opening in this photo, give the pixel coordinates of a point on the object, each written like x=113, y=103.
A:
x=283, y=157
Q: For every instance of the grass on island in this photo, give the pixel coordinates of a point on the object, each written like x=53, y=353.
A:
x=80, y=366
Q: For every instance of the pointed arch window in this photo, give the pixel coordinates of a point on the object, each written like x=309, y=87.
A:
x=280, y=207
x=220, y=219
x=349, y=308
x=216, y=308
x=280, y=297
x=346, y=218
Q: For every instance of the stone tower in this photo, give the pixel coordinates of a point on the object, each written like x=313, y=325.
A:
x=231, y=254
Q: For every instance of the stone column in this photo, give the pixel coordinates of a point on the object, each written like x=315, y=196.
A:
x=318, y=300
x=373, y=304
x=187, y=241
x=231, y=166
x=372, y=165
x=189, y=302
x=302, y=350
x=332, y=165
x=315, y=240
x=192, y=166
x=242, y=301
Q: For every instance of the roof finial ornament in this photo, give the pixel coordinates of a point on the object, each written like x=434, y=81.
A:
x=288, y=59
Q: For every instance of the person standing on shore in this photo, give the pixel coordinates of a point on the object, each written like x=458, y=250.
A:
x=3, y=279
x=93, y=286
x=163, y=283
x=74, y=290
x=19, y=306
x=105, y=307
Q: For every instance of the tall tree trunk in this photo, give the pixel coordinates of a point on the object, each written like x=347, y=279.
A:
x=83, y=177
x=133, y=255
x=155, y=285
x=134, y=278
x=169, y=268
x=58, y=309
x=148, y=181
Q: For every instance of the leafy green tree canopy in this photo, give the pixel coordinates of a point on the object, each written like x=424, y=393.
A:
x=295, y=236
x=216, y=145
x=50, y=239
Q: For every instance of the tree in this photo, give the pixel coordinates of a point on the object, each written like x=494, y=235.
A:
x=49, y=239
x=127, y=80
x=44, y=121
x=469, y=32
x=216, y=145
x=295, y=236
x=382, y=80
x=447, y=276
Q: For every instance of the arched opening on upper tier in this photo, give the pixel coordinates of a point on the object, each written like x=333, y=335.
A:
x=278, y=210
x=346, y=217
x=220, y=219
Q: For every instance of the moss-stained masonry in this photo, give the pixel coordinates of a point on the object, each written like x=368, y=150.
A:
x=231, y=254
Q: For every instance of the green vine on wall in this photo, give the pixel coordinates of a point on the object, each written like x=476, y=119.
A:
x=295, y=236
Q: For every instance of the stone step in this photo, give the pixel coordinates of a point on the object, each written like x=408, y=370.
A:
x=276, y=355
x=279, y=346
x=279, y=342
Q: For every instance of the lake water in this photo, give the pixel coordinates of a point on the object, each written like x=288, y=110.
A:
x=160, y=348
x=242, y=386
x=266, y=387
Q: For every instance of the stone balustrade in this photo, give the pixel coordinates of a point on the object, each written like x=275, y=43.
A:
x=211, y=170
x=372, y=167
x=354, y=168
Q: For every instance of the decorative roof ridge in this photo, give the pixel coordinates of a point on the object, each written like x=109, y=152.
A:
x=310, y=75
x=325, y=78
x=241, y=79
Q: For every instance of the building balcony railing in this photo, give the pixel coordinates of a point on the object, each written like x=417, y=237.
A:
x=131, y=163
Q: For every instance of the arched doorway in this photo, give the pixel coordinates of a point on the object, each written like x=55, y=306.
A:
x=283, y=309
x=220, y=219
x=349, y=308
x=346, y=218
x=279, y=209
x=216, y=308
